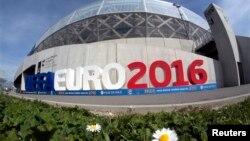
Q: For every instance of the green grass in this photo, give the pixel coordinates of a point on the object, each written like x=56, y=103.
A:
x=25, y=120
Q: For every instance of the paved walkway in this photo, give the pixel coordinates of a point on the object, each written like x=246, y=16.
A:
x=145, y=103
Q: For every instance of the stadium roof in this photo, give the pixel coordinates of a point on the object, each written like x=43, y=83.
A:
x=103, y=7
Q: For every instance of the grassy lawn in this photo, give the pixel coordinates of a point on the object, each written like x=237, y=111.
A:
x=25, y=120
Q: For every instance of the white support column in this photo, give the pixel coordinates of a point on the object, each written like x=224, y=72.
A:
x=23, y=82
x=226, y=44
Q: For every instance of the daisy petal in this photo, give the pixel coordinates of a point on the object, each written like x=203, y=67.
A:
x=158, y=132
x=156, y=136
x=164, y=130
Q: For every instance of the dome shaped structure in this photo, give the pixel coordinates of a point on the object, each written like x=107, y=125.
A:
x=152, y=18
x=134, y=47
x=121, y=33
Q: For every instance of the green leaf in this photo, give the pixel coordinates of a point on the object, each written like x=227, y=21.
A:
x=46, y=116
x=148, y=134
x=124, y=138
x=42, y=128
x=115, y=124
x=153, y=126
x=12, y=135
x=49, y=126
x=106, y=136
x=204, y=136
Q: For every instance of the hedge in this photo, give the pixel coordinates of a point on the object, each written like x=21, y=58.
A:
x=26, y=120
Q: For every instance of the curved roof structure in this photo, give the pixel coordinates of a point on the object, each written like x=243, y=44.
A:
x=103, y=7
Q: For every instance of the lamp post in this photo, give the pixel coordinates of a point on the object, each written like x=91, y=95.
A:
x=178, y=7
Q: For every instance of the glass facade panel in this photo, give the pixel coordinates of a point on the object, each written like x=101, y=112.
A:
x=119, y=6
x=125, y=25
x=64, y=21
x=106, y=7
x=163, y=8
x=86, y=12
x=194, y=18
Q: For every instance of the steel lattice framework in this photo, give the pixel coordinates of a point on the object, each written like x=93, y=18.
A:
x=125, y=25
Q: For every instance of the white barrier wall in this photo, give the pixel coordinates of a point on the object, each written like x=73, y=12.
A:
x=124, y=53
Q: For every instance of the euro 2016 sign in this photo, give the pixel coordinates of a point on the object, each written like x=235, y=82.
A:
x=79, y=79
x=96, y=80
x=93, y=80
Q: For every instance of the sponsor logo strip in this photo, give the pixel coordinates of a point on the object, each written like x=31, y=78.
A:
x=123, y=92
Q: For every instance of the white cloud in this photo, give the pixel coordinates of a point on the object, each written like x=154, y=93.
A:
x=8, y=68
x=8, y=72
x=238, y=14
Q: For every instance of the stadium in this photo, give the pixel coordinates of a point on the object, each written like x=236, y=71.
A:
x=133, y=47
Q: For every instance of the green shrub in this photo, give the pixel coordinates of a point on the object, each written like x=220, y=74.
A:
x=25, y=120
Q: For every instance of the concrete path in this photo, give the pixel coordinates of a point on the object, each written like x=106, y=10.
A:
x=145, y=103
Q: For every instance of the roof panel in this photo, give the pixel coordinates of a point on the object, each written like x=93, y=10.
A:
x=163, y=8
x=194, y=18
x=119, y=6
x=86, y=12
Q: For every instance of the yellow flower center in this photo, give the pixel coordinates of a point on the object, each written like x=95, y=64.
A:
x=164, y=137
x=93, y=126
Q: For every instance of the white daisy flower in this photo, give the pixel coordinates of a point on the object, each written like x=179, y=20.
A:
x=165, y=135
x=94, y=128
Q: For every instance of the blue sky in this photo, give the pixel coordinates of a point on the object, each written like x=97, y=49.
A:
x=22, y=23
